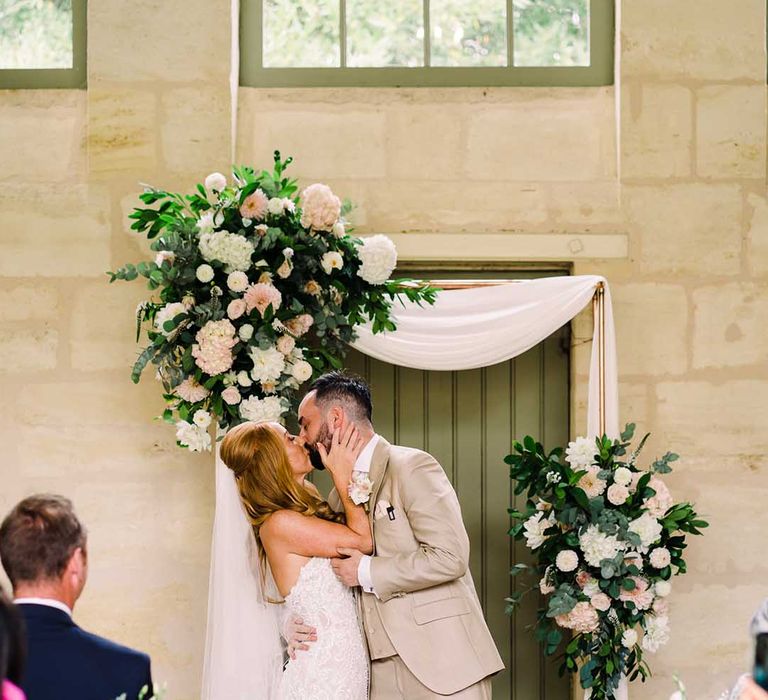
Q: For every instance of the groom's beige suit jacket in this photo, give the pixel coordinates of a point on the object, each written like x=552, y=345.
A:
x=425, y=608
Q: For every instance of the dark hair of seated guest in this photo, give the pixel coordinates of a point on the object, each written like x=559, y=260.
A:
x=12, y=642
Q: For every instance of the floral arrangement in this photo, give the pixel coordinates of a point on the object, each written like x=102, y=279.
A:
x=606, y=537
x=258, y=290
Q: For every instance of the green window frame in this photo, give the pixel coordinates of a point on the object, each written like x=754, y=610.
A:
x=600, y=71
x=46, y=78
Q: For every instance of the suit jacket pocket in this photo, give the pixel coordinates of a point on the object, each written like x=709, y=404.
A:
x=440, y=609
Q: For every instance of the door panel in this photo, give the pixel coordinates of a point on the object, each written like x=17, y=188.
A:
x=467, y=421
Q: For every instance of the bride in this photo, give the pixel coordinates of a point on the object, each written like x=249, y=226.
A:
x=297, y=535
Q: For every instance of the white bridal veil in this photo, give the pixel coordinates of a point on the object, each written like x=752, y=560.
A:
x=243, y=652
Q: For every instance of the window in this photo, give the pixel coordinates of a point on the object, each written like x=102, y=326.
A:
x=42, y=43
x=314, y=43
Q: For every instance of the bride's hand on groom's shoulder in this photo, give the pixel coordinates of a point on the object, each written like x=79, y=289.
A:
x=340, y=461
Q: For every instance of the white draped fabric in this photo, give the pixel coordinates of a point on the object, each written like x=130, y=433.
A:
x=479, y=327
x=243, y=652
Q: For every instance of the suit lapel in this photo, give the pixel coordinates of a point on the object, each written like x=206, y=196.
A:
x=379, y=464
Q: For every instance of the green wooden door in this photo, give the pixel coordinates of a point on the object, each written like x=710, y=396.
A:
x=468, y=420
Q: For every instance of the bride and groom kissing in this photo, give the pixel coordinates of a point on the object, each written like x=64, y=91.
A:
x=374, y=587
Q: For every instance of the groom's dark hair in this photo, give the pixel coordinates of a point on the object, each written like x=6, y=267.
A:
x=346, y=389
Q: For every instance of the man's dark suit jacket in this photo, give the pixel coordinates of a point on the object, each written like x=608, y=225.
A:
x=65, y=662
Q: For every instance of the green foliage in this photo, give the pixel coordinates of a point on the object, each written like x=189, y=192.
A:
x=557, y=494
x=35, y=34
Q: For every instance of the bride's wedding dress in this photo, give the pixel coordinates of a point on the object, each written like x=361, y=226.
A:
x=336, y=665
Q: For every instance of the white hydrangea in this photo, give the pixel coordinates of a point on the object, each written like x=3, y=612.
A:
x=204, y=273
x=268, y=364
x=567, y=560
x=534, y=529
x=378, y=258
x=596, y=545
x=232, y=250
x=168, y=313
x=237, y=281
x=629, y=638
x=648, y=529
x=332, y=261
x=656, y=633
x=660, y=558
x=190, y=435
x=202, y=419
x=301, y=370
x=215, y=182
x=580, y=453
x=255, y=409
x=622, y=476
x=662, y=588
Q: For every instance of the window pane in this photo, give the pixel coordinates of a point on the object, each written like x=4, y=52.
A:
x=468, y=33
x=551, y=32
x=387, y=33
x=301, y=34
x=35, y=34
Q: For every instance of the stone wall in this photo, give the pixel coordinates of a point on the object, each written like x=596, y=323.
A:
x=671, y=161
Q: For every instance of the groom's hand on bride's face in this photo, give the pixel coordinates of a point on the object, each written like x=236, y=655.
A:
x=298, y=635
x=346, y=569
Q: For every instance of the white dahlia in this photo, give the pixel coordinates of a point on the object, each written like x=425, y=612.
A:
x=268, y=364
x=567, y=560
x=378, y=257
x=534, y=529
x=258, y=410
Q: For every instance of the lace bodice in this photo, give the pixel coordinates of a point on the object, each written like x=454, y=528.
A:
x=336, y=665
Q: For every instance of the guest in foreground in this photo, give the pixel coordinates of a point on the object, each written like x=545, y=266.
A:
x=12, y=650
x=746, y=688
x=43, y=551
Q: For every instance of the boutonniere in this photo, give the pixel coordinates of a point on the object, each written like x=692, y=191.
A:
x=360, y=489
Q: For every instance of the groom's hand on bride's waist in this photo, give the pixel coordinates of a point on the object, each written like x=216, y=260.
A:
x=298, y=635
x=347, y=567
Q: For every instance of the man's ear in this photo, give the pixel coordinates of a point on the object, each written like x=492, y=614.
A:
x=78, y=564
x=336, y=418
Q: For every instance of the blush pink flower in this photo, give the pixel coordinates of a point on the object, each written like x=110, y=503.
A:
x=299, y=326
x=600, y=601
x=583, y=618
x=660, y=503
x=254, y=206
x=641, y=595
x=190, y=390
x=231, y=395
x=661, y=606
x=260, y=296
x=285, y=344
x=213, y=350
x=236, y=308
x=320, y=208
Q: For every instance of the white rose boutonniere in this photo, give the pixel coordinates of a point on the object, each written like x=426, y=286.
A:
x=360, y=488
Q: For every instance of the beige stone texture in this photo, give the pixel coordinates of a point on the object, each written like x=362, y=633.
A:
x=757, y=235
x=729, y=323
x=28, y=349
x=728, y=147
x=689, y=229
x=688, y=39
x=28, y=302
x=657, y=131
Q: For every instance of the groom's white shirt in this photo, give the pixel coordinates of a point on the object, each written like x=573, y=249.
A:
x=363, y=464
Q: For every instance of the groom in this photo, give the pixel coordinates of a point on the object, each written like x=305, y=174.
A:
x=425, y=629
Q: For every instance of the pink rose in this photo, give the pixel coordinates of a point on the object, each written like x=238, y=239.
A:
x=236, y=308
x=231, y=395
x=254, y=206
x=285, y=344
x=600, y=602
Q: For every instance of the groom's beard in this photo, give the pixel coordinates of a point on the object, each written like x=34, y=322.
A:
x=323, y=438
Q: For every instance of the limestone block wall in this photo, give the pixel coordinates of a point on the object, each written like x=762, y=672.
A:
x=672, y=159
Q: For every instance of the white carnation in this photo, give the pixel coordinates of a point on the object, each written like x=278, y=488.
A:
x=246, y=332
x=275, y=206
x=202, y=419
x=660, y=558
x=332, y=261
x=204, y=273
x=168, y=313
x=622, y=476
x=301, y=370
x=534, y=529
x=378, y=258
x=648, y=529
x=190, y=435
x=215, y=182
x=567, y=560
x=268, y=364
x=269, y=409
x=596, y=545
x=662, y=588
x=237, y=281
x=232, y=250
x=629, y=638
x=581, y=453
x=656, y=633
